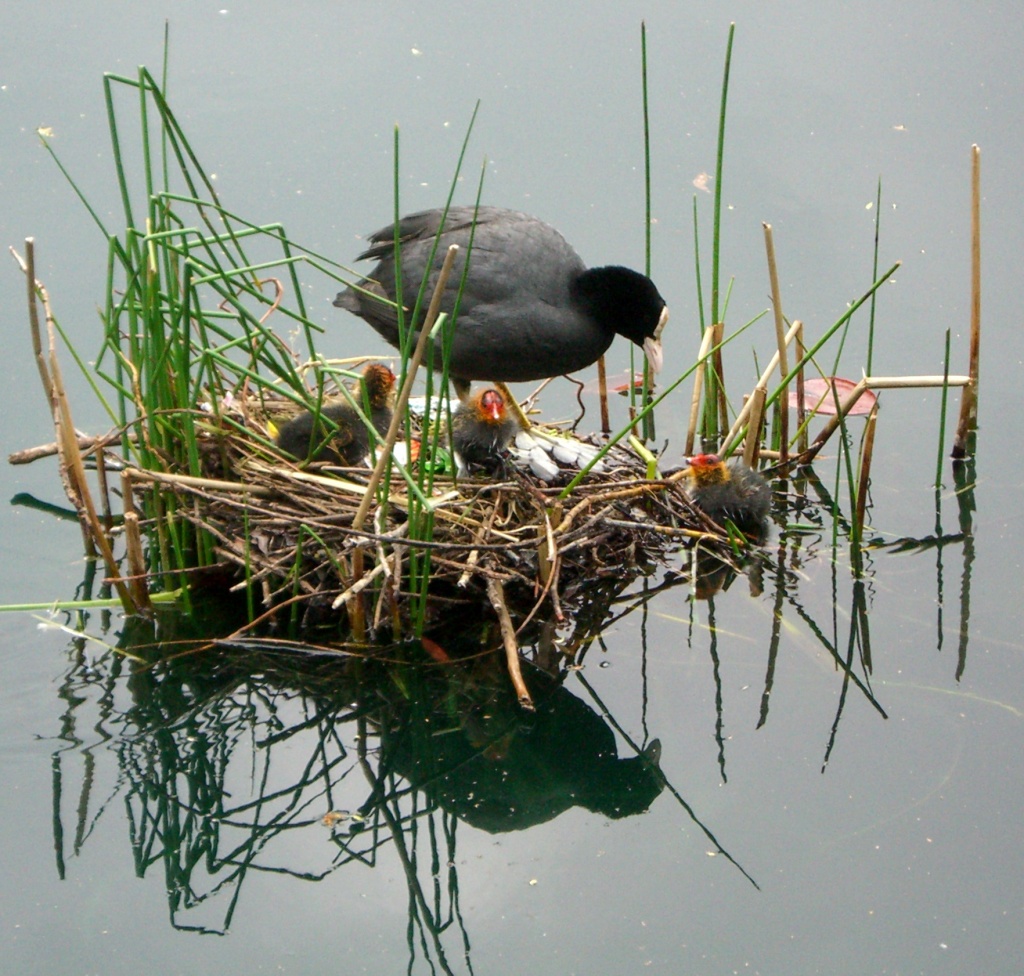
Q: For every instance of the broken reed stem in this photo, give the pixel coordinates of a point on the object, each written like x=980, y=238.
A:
x=512, y=402
x=801, y=410
x=361, y=584
x=762, y=383
x=36, y=293
x=76, y=474
x=721, y=405
x=780, y=334
x=753, y=439
x=698, y=386
x=874, y=383
x=397, y=417
x=72, y=478
x=496, y=594
x=397, y=420
x=867, y=450
x=101, y=479
x=28, y=266
x=602, y=389
x=969, y=400
x=207, y=484
x=133, y=546
x=85, y=443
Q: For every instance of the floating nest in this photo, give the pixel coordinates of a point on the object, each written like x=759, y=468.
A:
x=304, y=536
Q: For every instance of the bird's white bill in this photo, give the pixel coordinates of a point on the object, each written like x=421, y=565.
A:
x=652, y=344
x=652, y=350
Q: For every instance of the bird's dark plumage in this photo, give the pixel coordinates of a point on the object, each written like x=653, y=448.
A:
x=530, y=308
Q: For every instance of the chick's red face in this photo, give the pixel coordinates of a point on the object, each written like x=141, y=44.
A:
x=492, y=406
x=705, y=461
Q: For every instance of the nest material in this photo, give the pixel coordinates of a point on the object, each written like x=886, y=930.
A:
x=292, y=531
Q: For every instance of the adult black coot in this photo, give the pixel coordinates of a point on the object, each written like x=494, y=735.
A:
x=530, y=308
x=345, y=439
x=730, y=491
x=483, y=429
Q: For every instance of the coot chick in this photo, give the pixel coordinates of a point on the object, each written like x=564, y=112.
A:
x=530, y=308
x=308, y=434
x=483, y=429
x=729, y=491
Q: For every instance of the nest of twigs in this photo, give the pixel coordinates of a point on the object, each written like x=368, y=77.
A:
x=295, y=532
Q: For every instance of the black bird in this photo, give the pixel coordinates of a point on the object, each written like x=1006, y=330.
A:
x=529, y=309
x=345, y=440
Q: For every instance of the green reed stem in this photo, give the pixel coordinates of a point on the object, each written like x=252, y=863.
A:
x=719, y=160
x=874, y=274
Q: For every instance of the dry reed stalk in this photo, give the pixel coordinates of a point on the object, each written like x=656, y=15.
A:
x=801, y=411
x=28, y=266
x=743, y=416
x=37, y=293
x=474, y=557
x=968, y=421
x=873, y=383
x=85, y=444
x=867, y=451
x=698, y=388
x=755, y=410
x=91, y=524
x=197, y=483
x=780, y=332
x=496, y=594
x=722, y=406
x=403, y=397
x=133, y=545
x=101, y=479
x=602, y=389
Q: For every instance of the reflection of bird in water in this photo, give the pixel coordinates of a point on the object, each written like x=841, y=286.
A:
x=715, y=574
x=483, y=429
x=529, y=307
x=503, y=770
x=729, y=491
x=349, y=443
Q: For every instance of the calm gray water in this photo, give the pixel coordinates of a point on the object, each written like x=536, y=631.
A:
x=903, y=854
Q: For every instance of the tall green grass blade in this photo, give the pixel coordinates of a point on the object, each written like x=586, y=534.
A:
x=716, y=250
x=874, y=275
x=648, y=421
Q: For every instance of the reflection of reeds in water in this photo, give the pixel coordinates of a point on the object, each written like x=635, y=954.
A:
x=397, y=754
x=400, y=750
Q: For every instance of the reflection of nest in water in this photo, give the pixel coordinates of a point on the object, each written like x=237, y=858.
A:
x=292, y=532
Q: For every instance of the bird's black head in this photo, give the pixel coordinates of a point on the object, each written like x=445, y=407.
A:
x=627, y=303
